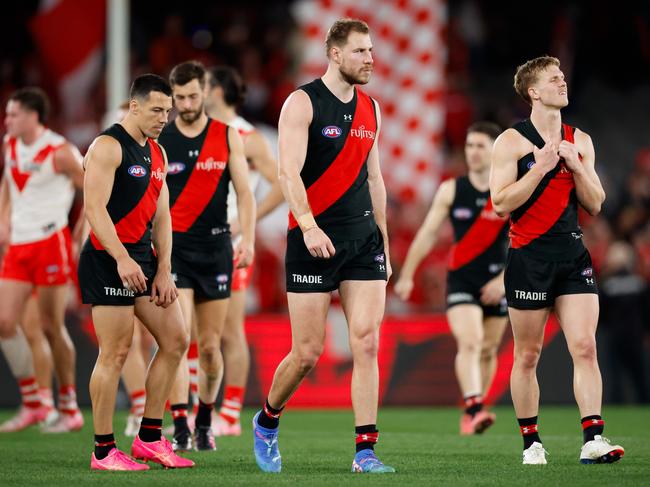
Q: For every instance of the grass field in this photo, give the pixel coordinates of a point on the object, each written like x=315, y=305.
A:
x=317, y=448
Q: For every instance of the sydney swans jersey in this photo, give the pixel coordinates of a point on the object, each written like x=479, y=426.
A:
x=40, y=196
x=197, y=178
x=244, y=128
x=134, y=198
x=335, y=173
x=547, y=224
x=480, y=235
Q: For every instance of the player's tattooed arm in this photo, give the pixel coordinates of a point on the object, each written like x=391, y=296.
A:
x=245, y=200
x=293, y=132
x=426, y=237
x=101, y=161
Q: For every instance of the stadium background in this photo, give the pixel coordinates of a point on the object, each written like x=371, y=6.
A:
x=439, y=67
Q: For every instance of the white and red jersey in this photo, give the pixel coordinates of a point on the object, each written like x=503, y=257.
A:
x=244, y=128
x=40, y=196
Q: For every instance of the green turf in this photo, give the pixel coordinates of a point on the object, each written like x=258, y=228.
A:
x=317, y=448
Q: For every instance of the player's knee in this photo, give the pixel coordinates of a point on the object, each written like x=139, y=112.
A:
x=114, y=357
x=527, y=358
x=307, y=358
x=366, y=344
x=7, y=326
x=209, y=356
x=584, y=349
x=488, y=351
x=472, y=347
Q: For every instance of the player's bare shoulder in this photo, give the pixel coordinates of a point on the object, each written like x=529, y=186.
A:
x=297, y=108
x=583, y=142
x=105, y=149
x=446, y=192
x=512, y=144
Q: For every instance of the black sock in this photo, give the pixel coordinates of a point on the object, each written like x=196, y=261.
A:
x=150, y=429
x=204, y=414
x=103, y=445
x=473, y=404
x=366, y=436
x=591, y=426
x=528, y=428
x=269, y=417
x=179, y=413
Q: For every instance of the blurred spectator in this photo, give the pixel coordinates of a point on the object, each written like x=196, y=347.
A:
x=624, y=319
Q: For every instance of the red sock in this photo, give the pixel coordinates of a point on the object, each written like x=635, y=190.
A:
x=233, y=398
x=29, y=392
x=138, y=399
x=68, y=399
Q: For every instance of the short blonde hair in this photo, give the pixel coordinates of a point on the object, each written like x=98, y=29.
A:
x=528, y=72
x=340, y=31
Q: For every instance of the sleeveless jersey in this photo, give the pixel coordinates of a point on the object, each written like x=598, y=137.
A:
x=197, y=178
x=40, y=196
x=335, y=173
x=244, y=128
x=547, y=224
x=480, y=235
x=134, y=198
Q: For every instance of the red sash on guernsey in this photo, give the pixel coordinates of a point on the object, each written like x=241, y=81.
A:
x=480, y=236
x=132, y=227
x=202, y=184
x=343, y=171
x=19, y=177
x=548, y=207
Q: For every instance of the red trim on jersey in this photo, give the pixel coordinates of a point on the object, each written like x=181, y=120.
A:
x=480, y=236
x=19, y=177
x=202, y=184
x=345, y=168
x=131, y=228
x=548, y=207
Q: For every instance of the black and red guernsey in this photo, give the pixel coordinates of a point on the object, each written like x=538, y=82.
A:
x=198, y=178
x=134, y=198
x=480, y=235
x=335, y=173
x=547, y=224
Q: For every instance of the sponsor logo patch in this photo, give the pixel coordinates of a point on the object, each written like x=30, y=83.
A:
x=222, y=278
x=137, y=171
x=588, y=272
x=51, y=269
x=175, y=168
x=462, y=213
x=307, y=279
x=380, y=258
x=332, y=131
x=530, y=164
x=530, y=295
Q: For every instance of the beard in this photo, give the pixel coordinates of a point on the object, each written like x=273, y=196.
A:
x=353, y=78
x=189, y=117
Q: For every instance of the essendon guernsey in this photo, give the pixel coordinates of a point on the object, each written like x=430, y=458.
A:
x=480, y=235
x=134, y=198
x=335, y=173
x=197, y=178
x=547, y=224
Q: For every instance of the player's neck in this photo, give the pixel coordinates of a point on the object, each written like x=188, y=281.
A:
x=192, y=129
x=340, y=88
x=480, y=179
x=547, y=121
x=223, y=113
x=28, y=138
x=132, y=129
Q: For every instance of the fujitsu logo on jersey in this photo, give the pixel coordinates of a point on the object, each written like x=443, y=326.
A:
x=462, y=213
x=362, y=133
x=210, y=165
x=157, y=174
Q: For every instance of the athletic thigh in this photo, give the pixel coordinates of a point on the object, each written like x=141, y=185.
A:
x=466, y=323
x=308, y=314
x=363, y=304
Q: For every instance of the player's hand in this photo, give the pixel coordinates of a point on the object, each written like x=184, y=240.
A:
x=163, y=289
x=546, y=158
x=569, y=152
x=493, y=291
x=131, y=274
x=235, y=229
x=244, y=253
x=404, y=287
x=318, y=243
x=389, y=269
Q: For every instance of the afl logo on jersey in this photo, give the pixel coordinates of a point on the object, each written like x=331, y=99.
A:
x=462, y=213
x=175, y=168
x=332, y=132
x=137, y=171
